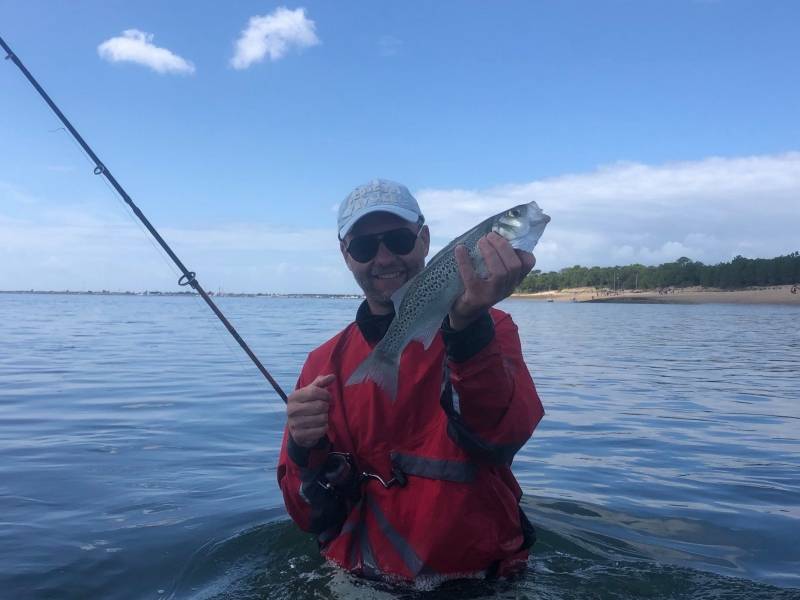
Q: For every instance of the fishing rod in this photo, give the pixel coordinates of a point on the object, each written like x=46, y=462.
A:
x=188, y=278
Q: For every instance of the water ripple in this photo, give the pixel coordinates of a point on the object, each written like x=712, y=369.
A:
x=138, y=448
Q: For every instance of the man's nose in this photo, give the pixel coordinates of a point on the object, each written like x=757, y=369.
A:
x=384, y=255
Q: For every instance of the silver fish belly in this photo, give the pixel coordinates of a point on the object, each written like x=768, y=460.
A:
x=422, y=303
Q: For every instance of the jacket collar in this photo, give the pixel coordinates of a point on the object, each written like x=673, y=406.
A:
x=372, y=327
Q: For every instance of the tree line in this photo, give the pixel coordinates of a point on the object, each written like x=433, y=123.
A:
x=738, y=273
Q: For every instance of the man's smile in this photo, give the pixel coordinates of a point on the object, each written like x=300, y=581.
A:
x=390, y=275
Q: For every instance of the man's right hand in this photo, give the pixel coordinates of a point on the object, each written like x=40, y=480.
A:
x=307, y=411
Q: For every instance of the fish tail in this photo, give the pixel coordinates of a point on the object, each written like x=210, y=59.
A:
x=380, y=368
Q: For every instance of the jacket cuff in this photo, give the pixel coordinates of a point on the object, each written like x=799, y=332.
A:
x=309, y=458
x=463, y=345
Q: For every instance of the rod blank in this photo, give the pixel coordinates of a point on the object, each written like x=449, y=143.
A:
x=188, y=277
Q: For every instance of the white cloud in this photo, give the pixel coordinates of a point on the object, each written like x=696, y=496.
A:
x=708, y=210
x=274, y=35
x=93, y=245
x=136, y=46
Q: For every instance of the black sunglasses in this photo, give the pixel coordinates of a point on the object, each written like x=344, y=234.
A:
x=363, y=248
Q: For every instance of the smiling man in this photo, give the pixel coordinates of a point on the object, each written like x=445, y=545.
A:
x=384, y=271
x=419, y=486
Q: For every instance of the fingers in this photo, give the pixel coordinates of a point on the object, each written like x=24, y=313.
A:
x=505, y=270
x=310, y=421
x=307, y=431
x=465, y=268
x=518, y=263
x=311, y=399
x=494, y=264
x=323, y=380
x=505, y=253
x=308, y=407
x=307, y=411
x=502, y=264
x=307, y=438
x=528, y=261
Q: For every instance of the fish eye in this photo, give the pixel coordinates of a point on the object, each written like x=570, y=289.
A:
x=514, y=213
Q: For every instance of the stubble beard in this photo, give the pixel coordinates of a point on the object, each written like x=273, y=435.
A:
x=376, y=296
x=383, y=298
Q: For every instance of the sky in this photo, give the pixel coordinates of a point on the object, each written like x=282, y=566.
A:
x=648, y=130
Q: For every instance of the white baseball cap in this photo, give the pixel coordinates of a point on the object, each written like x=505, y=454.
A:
x=379, y=195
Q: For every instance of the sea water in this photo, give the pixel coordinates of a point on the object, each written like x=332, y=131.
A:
x=138, y=449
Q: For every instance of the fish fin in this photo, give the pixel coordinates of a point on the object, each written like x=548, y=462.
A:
x=381, y=369
x=399, y=294
x=427, y=331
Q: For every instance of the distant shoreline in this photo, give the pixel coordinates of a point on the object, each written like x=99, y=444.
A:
x=781, y=294
x=693, y=295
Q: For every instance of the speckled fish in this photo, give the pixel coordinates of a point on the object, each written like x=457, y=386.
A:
x=422, y=303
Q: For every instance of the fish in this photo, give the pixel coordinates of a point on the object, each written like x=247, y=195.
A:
x=423, y=302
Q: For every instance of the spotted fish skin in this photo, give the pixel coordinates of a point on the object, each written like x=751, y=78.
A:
x=422, y=303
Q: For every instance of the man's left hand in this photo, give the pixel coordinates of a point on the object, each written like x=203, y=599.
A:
x=505, y=270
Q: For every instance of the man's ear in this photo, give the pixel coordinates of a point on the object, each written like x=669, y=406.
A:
x=343, y=250
x=425, y=236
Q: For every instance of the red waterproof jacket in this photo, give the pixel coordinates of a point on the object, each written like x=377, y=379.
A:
x=463, y=409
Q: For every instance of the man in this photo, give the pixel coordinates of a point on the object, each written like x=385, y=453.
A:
x=420, y=485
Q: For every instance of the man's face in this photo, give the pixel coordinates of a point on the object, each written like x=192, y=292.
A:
x=386, y=272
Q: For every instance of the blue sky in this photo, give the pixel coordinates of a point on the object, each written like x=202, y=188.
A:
x=647, y=130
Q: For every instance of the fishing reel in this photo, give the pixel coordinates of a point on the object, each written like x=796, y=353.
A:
x=341, y=477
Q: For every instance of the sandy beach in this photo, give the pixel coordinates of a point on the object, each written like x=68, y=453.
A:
x=693, y=295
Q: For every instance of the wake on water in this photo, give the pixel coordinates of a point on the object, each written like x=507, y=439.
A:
x=582, y=552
